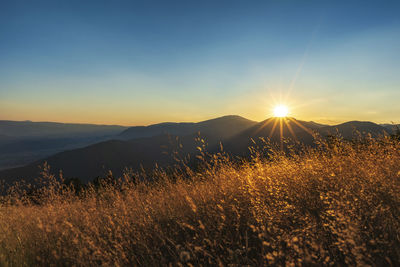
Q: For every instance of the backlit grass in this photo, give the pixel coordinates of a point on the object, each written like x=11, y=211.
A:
x=336, y=204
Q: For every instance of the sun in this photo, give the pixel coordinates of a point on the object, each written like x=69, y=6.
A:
x=281, y=111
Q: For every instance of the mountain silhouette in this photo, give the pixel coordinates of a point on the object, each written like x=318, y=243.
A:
x=143, y=147
x=22, y=142
x=138, y=151
x=96, y=160
x=223, y=127
x=29, y=129
x=391, y=128
x=273, y=129
x=6, y=139
x=348, y=129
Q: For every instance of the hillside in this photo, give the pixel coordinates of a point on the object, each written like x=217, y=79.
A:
x=347, y=129
x=327, y=206
x=391, y=128
x=223, y=127
x=274, y=129
x=96, y=160
x=234, y=132
x=18, y=129
x=23, y=142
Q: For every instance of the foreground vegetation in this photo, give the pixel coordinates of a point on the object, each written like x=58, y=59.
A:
x=335, y=204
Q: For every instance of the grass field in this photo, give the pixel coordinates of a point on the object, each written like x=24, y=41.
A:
x=335, y=204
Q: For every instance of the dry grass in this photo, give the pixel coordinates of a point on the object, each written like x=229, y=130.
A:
x=338, y=204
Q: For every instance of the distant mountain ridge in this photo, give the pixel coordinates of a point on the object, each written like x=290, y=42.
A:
x=54, y=129
x=347, y=129
x=271, y=129
x=22, y=142
x=144, y=146
x=223, y=126
x=392, y=128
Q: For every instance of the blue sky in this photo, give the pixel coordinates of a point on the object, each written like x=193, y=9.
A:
x=141, y=62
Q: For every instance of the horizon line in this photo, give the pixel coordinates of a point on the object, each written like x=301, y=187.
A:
x=160, y=122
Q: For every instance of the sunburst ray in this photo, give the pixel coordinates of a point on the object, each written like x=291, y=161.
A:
x=302, y=127
x=290, y=129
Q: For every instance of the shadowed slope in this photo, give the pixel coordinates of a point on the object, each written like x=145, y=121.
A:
x=55, y=129
x=223, y=127
x=275, y=129
x=348, y=129
x=23, y=142
x=96, y=160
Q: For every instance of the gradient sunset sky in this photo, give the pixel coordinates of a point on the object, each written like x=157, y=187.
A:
x=142, y=62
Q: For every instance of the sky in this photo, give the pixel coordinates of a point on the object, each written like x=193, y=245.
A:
x=144, y=62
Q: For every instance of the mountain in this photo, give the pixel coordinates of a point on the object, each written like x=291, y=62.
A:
x=316, y=125
x=272, y=128
x=29, y=129
x=224, y=127
x=161, y=140
x=95, y=160
x=35, y=140
x=22, y=142
x=5, y=139
x=347, y=129
x=298, y=130
x=19, y=152
x=391, y=128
